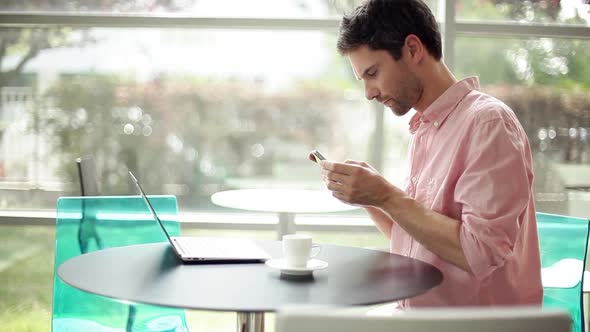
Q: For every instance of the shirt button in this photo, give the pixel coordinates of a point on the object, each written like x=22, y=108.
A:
x=436, y=123
x=415, y=179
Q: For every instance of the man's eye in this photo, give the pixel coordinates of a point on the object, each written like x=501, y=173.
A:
x=372, y=74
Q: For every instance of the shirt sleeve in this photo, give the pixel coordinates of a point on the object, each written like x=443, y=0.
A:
x=494, y=190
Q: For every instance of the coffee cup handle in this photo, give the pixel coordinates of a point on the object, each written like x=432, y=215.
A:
x=315, y=250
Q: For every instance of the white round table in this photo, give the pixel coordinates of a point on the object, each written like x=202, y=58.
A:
x=285, y=202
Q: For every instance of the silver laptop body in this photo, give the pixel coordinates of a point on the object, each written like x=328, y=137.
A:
x=209, y=249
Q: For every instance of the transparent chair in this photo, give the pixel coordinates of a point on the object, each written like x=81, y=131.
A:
x=88, y=176
x=563, y=243
x=117, y=221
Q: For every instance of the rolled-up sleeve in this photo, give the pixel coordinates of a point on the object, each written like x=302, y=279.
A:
x=493, y=192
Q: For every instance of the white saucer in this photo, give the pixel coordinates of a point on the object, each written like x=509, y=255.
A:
x=312, y=265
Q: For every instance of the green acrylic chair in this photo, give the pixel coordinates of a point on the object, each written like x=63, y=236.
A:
x=563, y=243
x=86, y=224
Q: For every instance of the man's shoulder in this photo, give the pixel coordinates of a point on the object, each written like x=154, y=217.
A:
x=481, y=107
x=484, y=113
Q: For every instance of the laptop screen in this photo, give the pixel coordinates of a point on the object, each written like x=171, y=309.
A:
x=149, y=204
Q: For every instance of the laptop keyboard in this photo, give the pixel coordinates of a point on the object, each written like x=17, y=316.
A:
x=233, y=248
x=202, y=247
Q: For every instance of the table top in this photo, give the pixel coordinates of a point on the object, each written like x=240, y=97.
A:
x=281, y=200
x=151, y=273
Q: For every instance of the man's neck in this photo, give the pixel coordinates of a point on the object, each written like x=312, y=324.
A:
x=437, y=79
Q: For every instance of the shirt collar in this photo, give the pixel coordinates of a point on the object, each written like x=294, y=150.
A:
x=440, y=109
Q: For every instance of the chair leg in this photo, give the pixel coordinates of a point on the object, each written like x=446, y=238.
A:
x=131, y=318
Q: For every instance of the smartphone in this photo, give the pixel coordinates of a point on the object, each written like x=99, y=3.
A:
x=317, y=155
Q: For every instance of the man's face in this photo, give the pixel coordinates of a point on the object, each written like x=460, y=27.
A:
x=390, y=82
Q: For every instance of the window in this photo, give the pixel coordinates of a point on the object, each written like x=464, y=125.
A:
x=545, y=81
x=574, y=12
x=201, y=8
x=193, y=111
x=197, y=105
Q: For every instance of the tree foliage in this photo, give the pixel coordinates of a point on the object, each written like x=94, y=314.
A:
x=559, y=63
x=95, y=5
x=181, y=131
x=544, y=10
x=26, y=44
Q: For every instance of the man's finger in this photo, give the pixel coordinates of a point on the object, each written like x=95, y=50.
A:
x=356, y=162
x=341, y=168
x=338, y=177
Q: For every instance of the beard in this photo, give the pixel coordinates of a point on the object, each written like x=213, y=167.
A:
x=398, y=109
x=408, y=94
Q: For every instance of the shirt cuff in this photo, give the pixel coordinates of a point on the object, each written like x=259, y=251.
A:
x=485, y=251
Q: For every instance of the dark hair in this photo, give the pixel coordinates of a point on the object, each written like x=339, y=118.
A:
x=385, y=24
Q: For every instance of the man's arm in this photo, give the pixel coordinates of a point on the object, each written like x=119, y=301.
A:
x=444, y=240
x=383, y=222
x=493, y=190
x=357, y=183
x=436, y=232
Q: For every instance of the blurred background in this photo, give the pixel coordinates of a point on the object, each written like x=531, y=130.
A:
x=199, y=96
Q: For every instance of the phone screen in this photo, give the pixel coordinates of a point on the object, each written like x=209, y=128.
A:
x=317, y=155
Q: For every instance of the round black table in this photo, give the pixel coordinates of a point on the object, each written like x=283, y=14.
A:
x=151, y=273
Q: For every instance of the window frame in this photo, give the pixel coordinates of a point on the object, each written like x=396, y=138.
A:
x=451, y=28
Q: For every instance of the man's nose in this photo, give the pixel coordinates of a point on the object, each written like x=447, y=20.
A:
x=371, y=92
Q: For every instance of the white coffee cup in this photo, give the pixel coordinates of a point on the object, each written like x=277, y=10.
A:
x=298, y=249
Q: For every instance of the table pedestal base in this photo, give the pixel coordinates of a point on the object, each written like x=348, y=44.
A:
x=250, y=321
x=286, y=224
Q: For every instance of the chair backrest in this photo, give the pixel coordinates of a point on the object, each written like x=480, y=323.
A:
x=563, y=244
x=494, y=319
x=88, y=176
x=86, y=224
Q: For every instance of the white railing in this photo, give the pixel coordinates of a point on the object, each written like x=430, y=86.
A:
x=219, y=221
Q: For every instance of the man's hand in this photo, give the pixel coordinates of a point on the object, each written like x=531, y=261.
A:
x=357, y=183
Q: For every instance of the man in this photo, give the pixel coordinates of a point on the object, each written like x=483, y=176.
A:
x=467, y=207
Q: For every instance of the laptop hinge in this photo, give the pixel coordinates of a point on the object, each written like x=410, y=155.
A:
x=178, y=247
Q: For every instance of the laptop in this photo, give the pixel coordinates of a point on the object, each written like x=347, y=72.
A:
x=208, y=249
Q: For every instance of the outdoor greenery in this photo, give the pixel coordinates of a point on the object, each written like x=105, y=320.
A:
x=545, y=11
x=185, y=131
x=199, y=133
x=26, y=272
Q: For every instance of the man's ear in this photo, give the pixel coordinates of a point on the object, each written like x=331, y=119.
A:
x=415, y=48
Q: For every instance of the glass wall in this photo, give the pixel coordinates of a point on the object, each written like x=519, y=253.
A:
x=191, y=111
x=200, y=8
x=546, y=81
x=573, y=12
x=302, y=9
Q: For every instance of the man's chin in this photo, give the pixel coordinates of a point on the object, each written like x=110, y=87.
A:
x=399, y=112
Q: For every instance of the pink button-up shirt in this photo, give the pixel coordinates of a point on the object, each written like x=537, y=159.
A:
x=470, y=160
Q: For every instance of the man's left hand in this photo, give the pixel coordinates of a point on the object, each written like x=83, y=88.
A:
x=357, y=183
